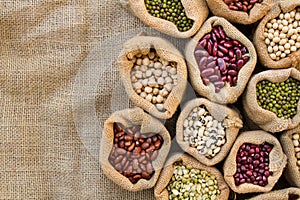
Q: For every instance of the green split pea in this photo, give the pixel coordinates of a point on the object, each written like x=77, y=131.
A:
x=280, y=98
x=171, y=10
x=192, y=184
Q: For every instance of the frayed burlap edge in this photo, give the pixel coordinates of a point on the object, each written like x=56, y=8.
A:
x=293, y=59
x=143, y=44
x=230, y=118
x=128, y=118
x=277, y=161
x=228, y=94
x=195, y=10
x=292, y=172
x=219, y=8
x=265, y=119
x=160, y=190
x=278, y=194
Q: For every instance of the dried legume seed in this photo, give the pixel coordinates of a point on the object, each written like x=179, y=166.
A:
x=153, y=78
x=280, y=98
x=220, y=58
x=252, y=164
x=171, y=10
x=241, y=5
x=203, y=132
x=296, y=140
x=190, y=183
x=283, y=31
x=133, y=153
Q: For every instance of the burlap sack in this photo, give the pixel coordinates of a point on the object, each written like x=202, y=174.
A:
x=259, y=10
x=266, y=119
x=277, y=161
x=291, y=173
x=195, y=10
x=287, y=194
x=128, y=118
x=142, y=44
x=160, y=191
x=293, y=59
x=228, y=94
x=230, y=118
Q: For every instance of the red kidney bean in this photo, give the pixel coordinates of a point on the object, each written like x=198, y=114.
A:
x=205, y=81
x=232, y=73
x=213, y=78
x=209, y=48
x=202, y=62
x=219, y=84
x=223, y=49
x=207, y=72
x=127, y=155
x=215, y=49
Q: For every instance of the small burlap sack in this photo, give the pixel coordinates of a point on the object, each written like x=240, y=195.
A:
x=266, y=119
x=277, y=161
x=160, y=191
x=291, y=173
x=230, y=118
x=128, y=118
x=293, y=59
x=228, y=94
x=287, y=194
x=259, y=10
x=142, y=44
x=195, y=10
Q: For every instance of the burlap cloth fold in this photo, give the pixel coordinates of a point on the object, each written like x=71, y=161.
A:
x=291, y=173
x=195, y=10
x=230, y=119
x=277, y=161
x=227, y=95
x=129, y=118
x=288, y=193
x=160, y=191
x=265, y=119
x=293, y=59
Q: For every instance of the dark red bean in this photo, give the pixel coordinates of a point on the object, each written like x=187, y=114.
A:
x=215, y=49
x=216, y=32
x=231, y=53
x=211, y=64
x=228, y=44
x=232, y=72
x=236, y=43
x=234, y=80
x=233, y=7
x=223, y=49
x=238, y=54
x=209, y=48
x=222, y=33
x=145, y=145
x=203, y=43
x=214, y=37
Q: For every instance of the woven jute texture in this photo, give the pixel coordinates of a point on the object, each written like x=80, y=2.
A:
x=160, y=191
x=166, y=51
x=277, y=161
x=227, y=95
x=292, y=171
x=129, y=118
x=46, y=152
x=293, y=59
x=231, y=121
x=288, y=193
x=265, y=119
x=195, y=10
x=259, y=10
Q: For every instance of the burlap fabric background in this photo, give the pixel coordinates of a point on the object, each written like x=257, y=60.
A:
x=54, y=61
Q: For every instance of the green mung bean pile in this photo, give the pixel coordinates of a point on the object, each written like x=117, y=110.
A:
x=171, y=10
x=190, y=183
x=280, y=98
